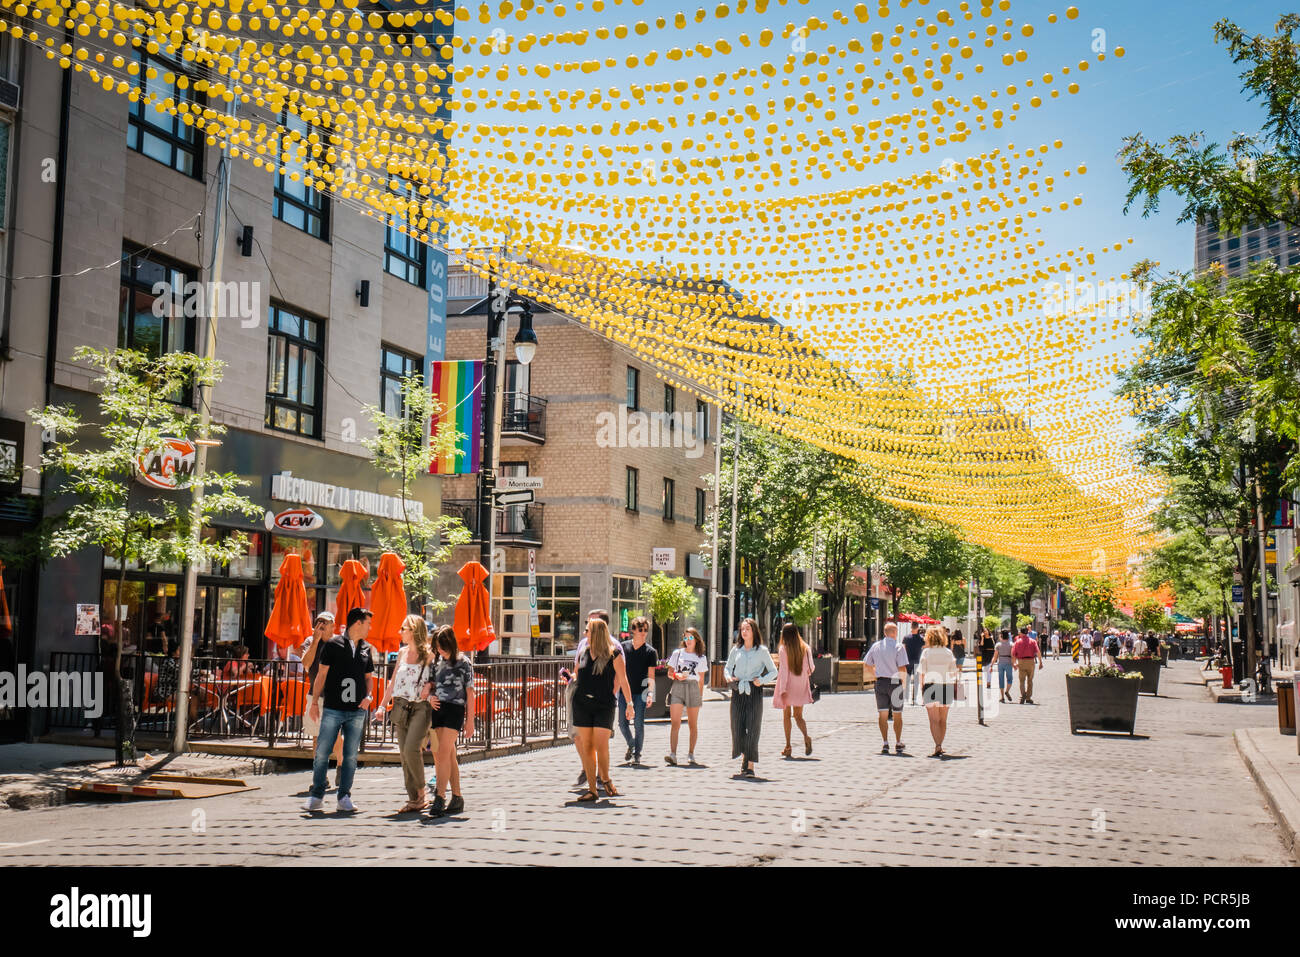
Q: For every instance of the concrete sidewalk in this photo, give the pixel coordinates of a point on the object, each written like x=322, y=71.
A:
x=1274, y=764
x=38, y=775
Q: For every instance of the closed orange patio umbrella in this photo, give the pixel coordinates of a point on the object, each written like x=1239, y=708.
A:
x=388, y=604
x=290, y=620
x=352, y=577
x=473, y=621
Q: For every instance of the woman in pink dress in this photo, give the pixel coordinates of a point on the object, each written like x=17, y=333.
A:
x=793, y=683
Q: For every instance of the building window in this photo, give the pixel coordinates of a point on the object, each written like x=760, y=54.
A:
x=295, y=368
x=160, y=135
x=670, y=405
x=700, y=507
x=301, y=206
x=631, y=489
x=558, y=598
x=702, y=419
x=625, y=593
x=1234, y=242
x=669, y=495
x=404, y=256
x=633, y=389
x=140, y=298
x=394, y=367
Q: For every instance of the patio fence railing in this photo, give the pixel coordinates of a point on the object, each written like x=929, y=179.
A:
x=516, y=701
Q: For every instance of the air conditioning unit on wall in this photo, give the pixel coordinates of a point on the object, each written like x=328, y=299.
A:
x=9, y=95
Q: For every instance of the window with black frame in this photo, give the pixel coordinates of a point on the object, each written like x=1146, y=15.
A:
x=295, y=371
x=404, y=255
x=701, y=508
x=394, y=367
x=151, y=317
x=633, y=389
x=631, y=489
x=670, y=493
x=301, y=206
x=160, y=135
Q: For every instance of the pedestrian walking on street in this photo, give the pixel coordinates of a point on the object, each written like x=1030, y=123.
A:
x=641, y=659
x=913, y=643
x=939, y=677
x=323, y=628
x=1112, y=649
x=1026, y=652
x=601, y=671
x=412, y=713
x=1056, y=644
x=345, y=663
x=988, y=653
x=1003, y=653
x=451, y=696
x=688, y=668
x=571, y=685
x=958, y=648
x=889, y=658
x=793, y=684
x=748, y=666
x=1085, y=646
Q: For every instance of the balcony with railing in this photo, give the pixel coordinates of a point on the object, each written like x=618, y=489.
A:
x=523, y=419
x=515, y=524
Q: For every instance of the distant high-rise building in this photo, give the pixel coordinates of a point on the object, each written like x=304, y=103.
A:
x=1238, y=250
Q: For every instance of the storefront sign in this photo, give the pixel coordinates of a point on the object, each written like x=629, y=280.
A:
x=295, y=520
x=11, y=455
x=285, y=487
x=168, y=466
x=663, y=559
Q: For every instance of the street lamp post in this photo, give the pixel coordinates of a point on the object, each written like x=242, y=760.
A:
x=500, y=300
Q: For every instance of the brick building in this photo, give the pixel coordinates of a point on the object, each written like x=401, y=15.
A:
x=623, y=457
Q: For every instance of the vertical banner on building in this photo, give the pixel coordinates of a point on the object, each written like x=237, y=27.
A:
x=435, y=346
x=458, y=388
x=533, y=627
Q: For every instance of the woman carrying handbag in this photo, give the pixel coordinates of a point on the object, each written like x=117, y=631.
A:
x=793, y=684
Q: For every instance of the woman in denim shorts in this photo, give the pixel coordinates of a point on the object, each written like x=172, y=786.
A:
x=688, y=667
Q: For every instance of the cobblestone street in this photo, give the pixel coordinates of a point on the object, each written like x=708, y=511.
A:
x=1021, y=791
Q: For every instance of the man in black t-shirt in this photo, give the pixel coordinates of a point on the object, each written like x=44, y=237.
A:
x=344, y=665
x=913, y=643
x=640, y=659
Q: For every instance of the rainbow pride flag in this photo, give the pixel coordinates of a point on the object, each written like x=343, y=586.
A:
x=458, y=388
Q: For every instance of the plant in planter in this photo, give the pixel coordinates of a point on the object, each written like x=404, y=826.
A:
x=1148, y=666
x=1102, y=698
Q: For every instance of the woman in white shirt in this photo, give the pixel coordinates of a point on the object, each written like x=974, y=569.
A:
x=688, y=667
x=938, y=671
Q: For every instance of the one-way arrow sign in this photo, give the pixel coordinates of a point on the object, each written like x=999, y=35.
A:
x=520, y=497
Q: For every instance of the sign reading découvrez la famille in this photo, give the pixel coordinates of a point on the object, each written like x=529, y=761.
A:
x=286, y=487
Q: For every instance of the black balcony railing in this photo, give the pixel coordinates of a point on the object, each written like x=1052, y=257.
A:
x=516, y=524
x=523, y=415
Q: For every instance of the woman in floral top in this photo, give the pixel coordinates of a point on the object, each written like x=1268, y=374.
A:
x=451, y=697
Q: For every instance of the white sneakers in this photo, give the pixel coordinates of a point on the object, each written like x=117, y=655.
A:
x=318, y=804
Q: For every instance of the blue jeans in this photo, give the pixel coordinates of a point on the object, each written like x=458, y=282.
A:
x=638, y=718
x=1004, y=673
x=351, y=723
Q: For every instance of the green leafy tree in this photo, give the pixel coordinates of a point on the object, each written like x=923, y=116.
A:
x=779, y=496
x=1218, y=395
x=668, y=598
x=1095, y=596
x=804, y=608
x=95, y=463
x=920, y=557
x=1150, y=615
x=992, y=623
x=403, y=449
x=1024, y=621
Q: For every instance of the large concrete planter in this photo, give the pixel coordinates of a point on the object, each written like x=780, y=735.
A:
x=1149, y=668
x=1102, y=704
